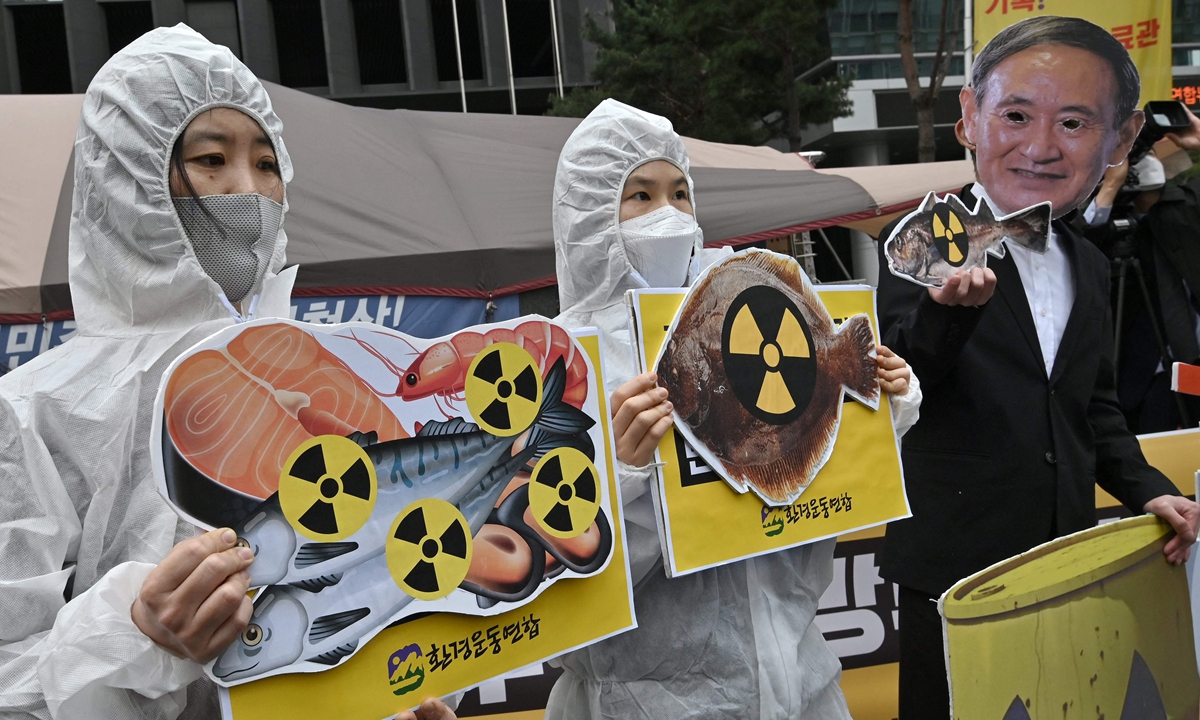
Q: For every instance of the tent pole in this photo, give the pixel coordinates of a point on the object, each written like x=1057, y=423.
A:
x=512, y=90
x=462, y=85
x=554, y=40
x=968, y=44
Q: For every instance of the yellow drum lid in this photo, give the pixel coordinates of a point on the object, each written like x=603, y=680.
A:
x=1057, y=568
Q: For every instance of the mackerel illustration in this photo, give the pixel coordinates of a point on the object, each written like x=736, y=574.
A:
x=453, y=460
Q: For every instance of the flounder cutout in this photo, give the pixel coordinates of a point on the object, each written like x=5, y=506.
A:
x=941, y=237
x=756, y=371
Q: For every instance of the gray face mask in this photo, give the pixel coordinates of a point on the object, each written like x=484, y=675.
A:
x=233, y=237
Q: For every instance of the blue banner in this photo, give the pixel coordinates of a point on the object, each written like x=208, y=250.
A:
x=417, y=315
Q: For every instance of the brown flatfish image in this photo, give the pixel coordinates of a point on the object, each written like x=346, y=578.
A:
x=943, y=237
x=756, y=371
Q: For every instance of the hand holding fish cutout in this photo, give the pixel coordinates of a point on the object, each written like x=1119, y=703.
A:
x=942, y=238
x=756, y=371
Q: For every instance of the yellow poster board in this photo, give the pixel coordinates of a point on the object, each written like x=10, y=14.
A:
x=1142, y=26
x=442, y=653
x=704, y=523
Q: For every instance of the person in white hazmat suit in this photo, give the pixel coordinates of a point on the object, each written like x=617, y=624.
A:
x=737, y=641
x=176, y=232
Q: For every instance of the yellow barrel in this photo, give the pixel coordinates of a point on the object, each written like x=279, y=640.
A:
x=1093, y=625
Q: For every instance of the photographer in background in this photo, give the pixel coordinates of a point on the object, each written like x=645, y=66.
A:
x=1139, y=215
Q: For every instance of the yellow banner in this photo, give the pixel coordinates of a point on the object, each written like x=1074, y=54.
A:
x=442, y=653
x=694, y=501
x=1142, y=26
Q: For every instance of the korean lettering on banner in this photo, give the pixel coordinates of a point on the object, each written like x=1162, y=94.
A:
x=1142, y=26
x=21, y=343
x=1142, y=34
x=1186, y=94
x=481, y=642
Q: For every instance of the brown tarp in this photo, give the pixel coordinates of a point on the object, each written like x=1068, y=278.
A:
x=406, y=202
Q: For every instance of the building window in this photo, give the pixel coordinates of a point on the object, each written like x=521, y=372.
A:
x=126, y=22
x=216, y=20
x=300, y=42
x=442, y=18
x=379, y=32
x=41, y=38
x=529, y=33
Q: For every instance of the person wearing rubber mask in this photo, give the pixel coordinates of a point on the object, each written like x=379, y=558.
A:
x=737, y=641
x=176, y=232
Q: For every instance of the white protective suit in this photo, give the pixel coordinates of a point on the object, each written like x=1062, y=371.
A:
x=79, y=495
x=734, y=642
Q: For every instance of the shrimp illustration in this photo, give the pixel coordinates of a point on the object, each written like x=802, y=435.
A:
x=440, y=371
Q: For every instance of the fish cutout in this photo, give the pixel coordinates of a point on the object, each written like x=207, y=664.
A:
x=942, y=237
x=756, y=371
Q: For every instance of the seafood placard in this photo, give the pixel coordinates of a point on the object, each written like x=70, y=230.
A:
x=703, y=522
x=756, y=371
x=943, y=237
x=395, y=486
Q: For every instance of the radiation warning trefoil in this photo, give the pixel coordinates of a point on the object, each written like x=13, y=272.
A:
x=767, y=350
x=327, y=489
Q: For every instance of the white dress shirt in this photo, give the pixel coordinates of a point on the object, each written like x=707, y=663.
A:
x=1049, y=286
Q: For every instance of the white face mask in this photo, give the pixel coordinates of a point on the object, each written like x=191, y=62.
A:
x=234, y=240
x=659, y=245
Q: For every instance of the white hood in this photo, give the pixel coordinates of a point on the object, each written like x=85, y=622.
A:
x=593, y=267
x=132, y=268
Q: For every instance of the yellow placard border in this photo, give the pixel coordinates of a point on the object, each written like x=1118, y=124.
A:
x=683, y=555
x=570, y=614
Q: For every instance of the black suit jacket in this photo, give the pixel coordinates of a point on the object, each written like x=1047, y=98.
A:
x=1005, y=457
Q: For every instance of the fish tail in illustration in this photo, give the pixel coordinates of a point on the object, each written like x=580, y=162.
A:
x=853, y=346
x=1029, y=228
x=556, y=416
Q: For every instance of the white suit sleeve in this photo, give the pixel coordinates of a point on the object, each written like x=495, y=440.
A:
x=906, y=408
x=641, y=522
x=85, y=658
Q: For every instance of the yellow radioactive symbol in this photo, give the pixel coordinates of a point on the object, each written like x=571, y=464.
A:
x=564, y=493
x=503, y=389
x=327, y=488
x=950, y=230
x=746, y=339
x=429, y=549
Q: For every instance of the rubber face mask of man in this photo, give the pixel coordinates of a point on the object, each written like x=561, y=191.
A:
x=227, y=192
x=657, y=226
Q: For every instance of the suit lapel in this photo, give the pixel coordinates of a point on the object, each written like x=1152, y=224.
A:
x=1083, y=300
x=1012, y=292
